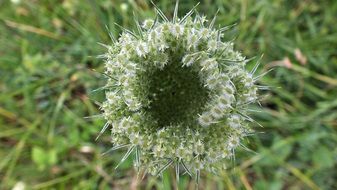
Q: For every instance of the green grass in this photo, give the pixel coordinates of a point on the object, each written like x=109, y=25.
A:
x=47, y=53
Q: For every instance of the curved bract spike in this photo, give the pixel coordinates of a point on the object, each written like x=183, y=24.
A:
x=113, y=39
x=126, y=30
x=225, y=28
x=127, y=154
x=139, y=28
x=188, y=14
x=115, y=148
x=160, y=12
x=256, y=65
x=211, y=25
x=106, y=125
x=175, y=13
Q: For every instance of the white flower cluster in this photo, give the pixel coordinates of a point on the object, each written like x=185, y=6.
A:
x=177, y=94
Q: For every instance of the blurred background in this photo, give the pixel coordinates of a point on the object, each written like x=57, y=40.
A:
x=48, y=49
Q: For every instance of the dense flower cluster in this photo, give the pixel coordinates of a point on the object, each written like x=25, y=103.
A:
x=177, y=94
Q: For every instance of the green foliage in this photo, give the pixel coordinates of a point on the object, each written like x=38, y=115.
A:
x=43, y=158
x=47, y=53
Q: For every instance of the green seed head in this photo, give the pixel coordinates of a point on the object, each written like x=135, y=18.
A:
x=177, y=94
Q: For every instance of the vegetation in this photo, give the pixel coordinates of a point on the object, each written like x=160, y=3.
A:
x=49, y=73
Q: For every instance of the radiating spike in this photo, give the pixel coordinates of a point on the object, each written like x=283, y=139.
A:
x=97, y=103
x=247, y=149
x=127, y=154
x=231, y=41
x=177, y=171
x=252, y=110
x=230, y=81
x=249, y=118
x=249, y=134
x=225, y=28
x=211, y=25
x=164, y=167
x=186, y=168
x=104, y=88
x=106, y=125
x=197, y=178
x=260, y=87
x=263, y=74
x=145, y=172
x=155, y=22
x=115, y=148
x=110, y=34
x=198, y=17
x=93, y=116
x=232, y=61
x=238, y=61
x=104, y=45
x=218, y=37
x=188, y=14
x=161, y=14
x=94, y=70
x=126, y=30
x=137, y=157
x=175, y=14
x=256, y=65
x=268, y=87
x=249, y=102
x=139, y=28
x=248, y=60
x=222, y=52
x=102, y=56
x=233, y=155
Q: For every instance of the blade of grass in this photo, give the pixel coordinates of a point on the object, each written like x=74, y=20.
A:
x=32, y=29
x=19, y=147
x=301, y=176
x=54, y=117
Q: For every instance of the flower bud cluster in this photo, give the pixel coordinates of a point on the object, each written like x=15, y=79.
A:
x=176, y=93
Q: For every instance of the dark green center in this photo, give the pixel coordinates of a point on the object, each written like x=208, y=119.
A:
x=177, y=95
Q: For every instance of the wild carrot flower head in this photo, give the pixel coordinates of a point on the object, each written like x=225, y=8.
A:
x=177, y=94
